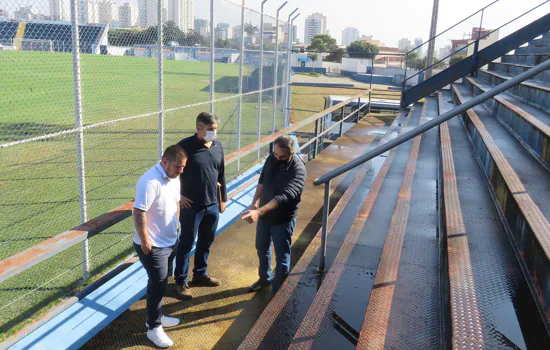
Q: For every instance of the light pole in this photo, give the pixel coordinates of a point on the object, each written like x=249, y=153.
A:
x=431, y=45
x=276, y=68
x=261, y=87
x=286, y=104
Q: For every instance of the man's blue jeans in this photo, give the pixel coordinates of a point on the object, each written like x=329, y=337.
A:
x=201, y=222
x=281, y=235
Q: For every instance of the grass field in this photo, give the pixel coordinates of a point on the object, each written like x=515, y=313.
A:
x=39, y=186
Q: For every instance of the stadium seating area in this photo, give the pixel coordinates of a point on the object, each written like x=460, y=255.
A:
x=59, y=33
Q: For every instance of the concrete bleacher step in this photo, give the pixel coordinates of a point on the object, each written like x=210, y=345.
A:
x=528, y=60
x=371, y=238
x=546, y=35
x=514, y=69
x=281, y=319
x=527, y=50
x=529, y=91
x=528, y=124
x=540, y=42
x=521, y=188
x=487, y=298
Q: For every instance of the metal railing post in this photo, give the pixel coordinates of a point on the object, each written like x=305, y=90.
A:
x=341, y=122
x=358, y=110
x=261, y=78
x=240, y=104
x=370, y=85
x=276, y=68
x=80, y=133
x=212, y=57
x=476, y=47
x=160, y=80
x=326, y=203
x=404, y=78
x=316, y=142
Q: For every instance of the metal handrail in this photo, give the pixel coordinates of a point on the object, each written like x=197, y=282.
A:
x=477, y=40
x=326, y=178
x=451, y=27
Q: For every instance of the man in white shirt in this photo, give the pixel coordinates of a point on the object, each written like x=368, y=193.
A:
x=156, y=216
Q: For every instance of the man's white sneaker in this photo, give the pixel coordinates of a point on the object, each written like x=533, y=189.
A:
x=166, y=322
x=159, y=338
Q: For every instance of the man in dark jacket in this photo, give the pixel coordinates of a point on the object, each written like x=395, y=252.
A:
x=275, y=207
x=200, y=204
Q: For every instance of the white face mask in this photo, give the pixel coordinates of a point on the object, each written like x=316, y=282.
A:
x=210, y=135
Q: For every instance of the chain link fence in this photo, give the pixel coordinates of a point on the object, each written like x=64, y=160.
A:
x=88, y=104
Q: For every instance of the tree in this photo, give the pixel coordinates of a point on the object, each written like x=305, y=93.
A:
x=335, y=56
x=250, y=29
x=313, y=56
x=323, y=43
x=456, y=59
x=362, y=49
x=221, y=43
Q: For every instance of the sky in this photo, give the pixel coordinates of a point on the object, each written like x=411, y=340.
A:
x=386, y=20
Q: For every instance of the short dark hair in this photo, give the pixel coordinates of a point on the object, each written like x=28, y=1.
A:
x=206, y=119
x=287, y=142
x=174, y=153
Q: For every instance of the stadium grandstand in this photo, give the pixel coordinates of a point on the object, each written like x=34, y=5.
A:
x=50, y=36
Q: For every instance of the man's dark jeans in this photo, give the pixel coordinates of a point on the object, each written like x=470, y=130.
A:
x=196, y=221
x=281, y=235
x=157, y=264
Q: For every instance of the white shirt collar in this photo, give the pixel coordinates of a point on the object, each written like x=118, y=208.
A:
x=159, y=167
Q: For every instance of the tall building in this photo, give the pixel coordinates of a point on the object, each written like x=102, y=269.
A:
x=88, y=12
x=418, y=42
x=221, y=31
x=148, y=13
x=127, y=15
x=366, y=37
x=202, y=26
x=107, y=12
x=285, y=33
x=60, y=10
x=236, y=32
x=404, y=44
x=444, y=52
x=181, y=13
x=315, y=24
x=3, y=13
x=349, y=35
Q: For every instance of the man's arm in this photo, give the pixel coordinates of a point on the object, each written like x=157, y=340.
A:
x=140, y=221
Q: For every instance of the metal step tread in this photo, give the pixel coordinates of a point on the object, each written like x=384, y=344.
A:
x=528, y=83
x=496, y=310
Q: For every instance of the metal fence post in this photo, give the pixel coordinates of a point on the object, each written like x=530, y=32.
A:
x=212, y=57
x=80, y=133
x=370, y=86
x=358, y=116
x=240, y=105
x=160, y=79
x=261, y=78
x=276, y=68
x=286, y=97
x=325, y=227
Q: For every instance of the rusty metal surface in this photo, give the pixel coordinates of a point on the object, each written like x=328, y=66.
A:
x=465, y=316
x=276, y=327
x=221, y=317
x=374, y=329
x=506, y=308
x=535, y=218
x=348, y=283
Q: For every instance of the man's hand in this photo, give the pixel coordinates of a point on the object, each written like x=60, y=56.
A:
x=251, y=216
x=185, y=202
x=254, y=206
x=146, y=247
x=223, y=206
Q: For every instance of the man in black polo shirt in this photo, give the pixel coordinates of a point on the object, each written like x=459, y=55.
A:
x=199, y=201
x=279, y=191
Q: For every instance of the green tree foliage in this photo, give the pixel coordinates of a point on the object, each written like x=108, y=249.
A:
x=323, y=43
x=129, y=37
x=362, y=49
